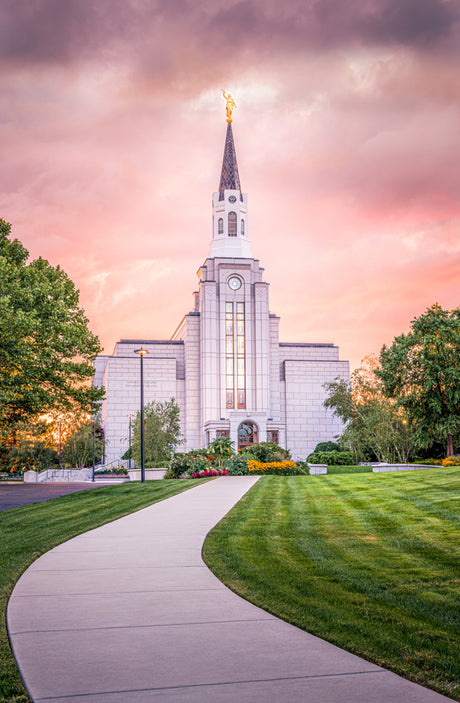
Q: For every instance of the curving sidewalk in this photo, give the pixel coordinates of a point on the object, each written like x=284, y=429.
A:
x=129, y=613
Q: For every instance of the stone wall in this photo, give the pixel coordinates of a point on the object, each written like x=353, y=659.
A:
x=58, y=476
x=307, y=420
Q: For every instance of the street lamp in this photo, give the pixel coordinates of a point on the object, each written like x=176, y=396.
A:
x=141, y=353
x=129, y=454
x=94, y=446
x=60, y=463
x=405, y=439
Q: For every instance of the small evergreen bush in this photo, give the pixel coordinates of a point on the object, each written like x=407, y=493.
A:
x=331, y=457
x=328, y=447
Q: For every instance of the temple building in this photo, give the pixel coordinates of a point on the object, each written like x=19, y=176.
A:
x=224, y=364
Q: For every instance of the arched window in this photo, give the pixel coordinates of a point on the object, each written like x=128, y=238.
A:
x=232, y=224
x=242, y=227
x=220, y=226
x=247, y=434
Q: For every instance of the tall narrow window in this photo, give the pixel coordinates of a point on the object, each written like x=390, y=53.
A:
x=230, y=386
x=220, y=226
x=240, y=356
x=235, y=356
x=232, y=224
x=242, y=228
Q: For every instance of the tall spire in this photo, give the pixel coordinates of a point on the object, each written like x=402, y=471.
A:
x=229, y=177
x=230, y=205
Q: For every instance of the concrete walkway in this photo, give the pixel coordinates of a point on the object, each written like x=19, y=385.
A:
x=129, y=613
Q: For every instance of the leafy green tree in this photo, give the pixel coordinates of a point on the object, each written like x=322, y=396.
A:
x=78, y=448
x=421, y=371
x=162, y=432
x=376, y=428
x=46, y=347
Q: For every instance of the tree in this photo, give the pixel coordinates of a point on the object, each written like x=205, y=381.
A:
x=421, y=371
x=375, y=426
x=46, y=347
x=162, y=432
x=78, y=448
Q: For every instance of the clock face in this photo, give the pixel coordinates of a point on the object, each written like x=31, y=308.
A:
x=232, y=199
x=234, y=283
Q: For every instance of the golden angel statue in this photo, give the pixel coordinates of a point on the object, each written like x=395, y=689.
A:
x=230, y=104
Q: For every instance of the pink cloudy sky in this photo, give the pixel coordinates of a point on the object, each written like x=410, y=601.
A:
x=348, y=139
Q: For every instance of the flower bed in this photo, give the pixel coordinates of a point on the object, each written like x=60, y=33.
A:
x=278, y=468
x=209, y=472
x=114, y=471
x=451, y=461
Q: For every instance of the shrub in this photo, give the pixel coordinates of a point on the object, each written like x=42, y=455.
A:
x=183, y=465
x=267, y=451
x=328, y=447
x=278, y=468
x=238, y=464
x=32, y=455
x=303, y=466
x=220, y=450
x=333, y=457
x=180, y=464
x=199, y=464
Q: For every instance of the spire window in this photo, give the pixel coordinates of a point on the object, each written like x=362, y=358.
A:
x=232, y=224
x=220, y=226
x=242, y=228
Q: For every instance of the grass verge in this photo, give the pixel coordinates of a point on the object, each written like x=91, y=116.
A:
x=29, y=532
x=367, y=562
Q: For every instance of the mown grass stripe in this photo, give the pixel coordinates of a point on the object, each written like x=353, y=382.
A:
x=368, y=562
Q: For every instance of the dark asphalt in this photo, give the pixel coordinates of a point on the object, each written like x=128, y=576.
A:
x=15, y=495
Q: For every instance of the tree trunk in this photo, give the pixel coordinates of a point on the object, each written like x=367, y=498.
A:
x=450, y=445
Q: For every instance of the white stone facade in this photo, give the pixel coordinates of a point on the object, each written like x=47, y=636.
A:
x=224, y=364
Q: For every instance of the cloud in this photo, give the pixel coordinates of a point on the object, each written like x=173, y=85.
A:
x=346, y=127
x=161, y=34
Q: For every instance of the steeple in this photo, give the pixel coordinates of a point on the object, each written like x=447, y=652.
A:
x=230, y=208
x=229, y=177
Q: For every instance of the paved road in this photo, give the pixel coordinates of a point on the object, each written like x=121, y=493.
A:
x=15, y=495
x=129, y=613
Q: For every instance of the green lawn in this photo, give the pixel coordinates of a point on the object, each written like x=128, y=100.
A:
x=28, y=532
x=366, y=561
x=346, y=469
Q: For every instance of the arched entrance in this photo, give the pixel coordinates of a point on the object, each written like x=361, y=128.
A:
x=247, y=434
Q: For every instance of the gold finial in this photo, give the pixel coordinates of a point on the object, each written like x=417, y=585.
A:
x=230, y=104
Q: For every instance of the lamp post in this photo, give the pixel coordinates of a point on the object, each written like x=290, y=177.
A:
x=129, y=454
x=141, y=353
x=94, y=447
x=405, y=439
x=60, y=442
